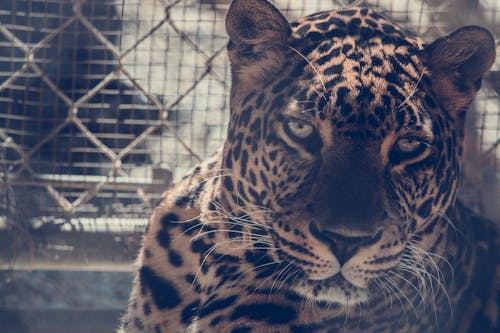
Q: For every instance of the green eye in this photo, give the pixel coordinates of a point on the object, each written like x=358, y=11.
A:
x=406, y=146
x=299, y=129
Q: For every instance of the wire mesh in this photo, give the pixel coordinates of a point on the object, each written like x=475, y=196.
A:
x=104, y=102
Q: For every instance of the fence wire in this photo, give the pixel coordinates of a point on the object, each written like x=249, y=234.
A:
x=104, y=102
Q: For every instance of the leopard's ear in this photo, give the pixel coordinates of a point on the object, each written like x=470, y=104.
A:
x=457, y=63
x=258, y=35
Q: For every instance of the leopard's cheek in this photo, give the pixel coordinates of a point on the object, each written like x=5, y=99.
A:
x=376, y=260
x=414, y=210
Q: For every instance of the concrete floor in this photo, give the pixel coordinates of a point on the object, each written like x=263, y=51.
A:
x=59, y=321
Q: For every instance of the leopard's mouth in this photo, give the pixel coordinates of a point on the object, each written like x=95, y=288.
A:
x=333, y=290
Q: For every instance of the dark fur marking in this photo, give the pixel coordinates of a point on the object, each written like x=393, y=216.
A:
x=175, y=258
x=163, y=238
x=234, y=230
x=347, y=12
x=188, y=228
x=323, y=25
x=241, y=329
x=181, y=201
x=342, y=92
x=337, y=22
x=336, y=69
x=163, y=291
x=217, y=305
x=259, y=101
x=314, y=36
x=353, y=25
x=325, y=47
x=248, y=98
x=147, y=309
x=138, y=323
x=253, y=178
x=244, y=162
x=281, y=85
x=388, y=29
x=425, y=208
x=190, y=278
x=371, y=23
x=200, y=246
x=335, y=33
x=257, y=257
x=241, y=190
x=229, y=159
x=303, y=30
x=245, y=116
x=268, y=312
x=264, y=179
x=326, y=58
x=228, y=183
x=189, y=312
x=169, y=220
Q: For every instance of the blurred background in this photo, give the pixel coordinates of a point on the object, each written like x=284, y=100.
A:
x=103, y=103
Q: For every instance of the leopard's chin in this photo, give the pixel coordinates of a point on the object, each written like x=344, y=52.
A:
x=334, y=290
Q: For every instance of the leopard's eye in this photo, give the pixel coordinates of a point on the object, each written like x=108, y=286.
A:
x=408, y=149
x=299, y=129
x=405, y=145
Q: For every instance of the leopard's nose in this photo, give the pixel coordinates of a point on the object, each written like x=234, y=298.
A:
x=344, y=247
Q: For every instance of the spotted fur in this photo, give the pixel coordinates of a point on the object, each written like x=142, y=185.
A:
x=331, y=206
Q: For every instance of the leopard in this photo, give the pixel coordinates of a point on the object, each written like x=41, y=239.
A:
x=332, y=204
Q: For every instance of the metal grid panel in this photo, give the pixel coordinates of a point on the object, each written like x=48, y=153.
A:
x=103, y=102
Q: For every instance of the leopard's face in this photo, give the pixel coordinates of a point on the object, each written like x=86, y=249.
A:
x=340, y=133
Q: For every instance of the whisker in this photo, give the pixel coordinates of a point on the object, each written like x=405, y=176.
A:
x=412, y=285
x=412, y=91
x=396, y=292
x=276, y=278
x=304, y=102
x=261, y=284
x=421, y=263
x=209, y=252
x=379, y=284
x=427, y=253
x=308, y=110
x=450, y=222
x=254, y=268
x=290, y=276
x=318, y=75
x=250, y=236
x=423, y=292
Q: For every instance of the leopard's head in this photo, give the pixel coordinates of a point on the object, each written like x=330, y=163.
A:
x=346, y=131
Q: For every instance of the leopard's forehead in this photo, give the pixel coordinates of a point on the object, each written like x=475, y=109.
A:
x=358, y=62
x=361, y=24
x=350, y=19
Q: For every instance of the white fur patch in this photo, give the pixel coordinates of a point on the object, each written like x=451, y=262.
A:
x=347, y=297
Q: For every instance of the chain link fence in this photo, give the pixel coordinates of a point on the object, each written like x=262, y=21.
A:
x=104, y=102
